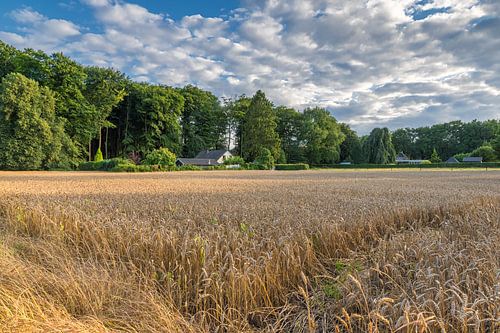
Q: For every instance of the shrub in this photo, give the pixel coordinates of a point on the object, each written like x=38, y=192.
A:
x=486, y=152
x=188, y=168
x=98, y=155
x=234, y=160
x=265, y=158
x=298, y=166
x=104, y=165
x=161, y=156
x=460, y=157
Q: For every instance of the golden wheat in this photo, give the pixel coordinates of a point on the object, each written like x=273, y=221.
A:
x=250, y=251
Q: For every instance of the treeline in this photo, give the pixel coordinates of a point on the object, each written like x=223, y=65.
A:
x=56, y=113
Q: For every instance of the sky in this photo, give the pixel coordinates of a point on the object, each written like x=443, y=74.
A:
x=371, y=63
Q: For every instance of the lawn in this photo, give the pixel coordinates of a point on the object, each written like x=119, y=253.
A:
x=232, y=251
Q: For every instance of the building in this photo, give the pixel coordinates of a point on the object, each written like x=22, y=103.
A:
x=401, y=158
x=206, y=158
x=452, y=160
x=473, y=159
x=218, y=155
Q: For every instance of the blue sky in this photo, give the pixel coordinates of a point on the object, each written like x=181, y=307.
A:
x=370, y=62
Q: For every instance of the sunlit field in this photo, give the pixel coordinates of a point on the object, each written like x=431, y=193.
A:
x=250, y=251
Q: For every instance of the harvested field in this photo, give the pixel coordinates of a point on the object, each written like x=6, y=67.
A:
x=251, y=251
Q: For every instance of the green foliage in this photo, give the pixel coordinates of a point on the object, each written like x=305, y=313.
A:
x=297, y=166
x=460, y=157
x=426, y=165
x=290, y=128
x=378, y=147
x=188, y=168
x=234, y=160
x=435, y=157
x=203, y=121
x=351, y=149
x=98, y=155
x=486, y=152
x=259, y=129
x=322, y=136
x=104, y=165
x=31, y=136
x=150, y=119
x=265, y=158
x=161, y=156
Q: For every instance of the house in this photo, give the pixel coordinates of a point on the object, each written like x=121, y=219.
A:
x=345, y=163
x=401, y=158
x=206, y=158
x=473, y=159
x=218, y=155
x=452, y=160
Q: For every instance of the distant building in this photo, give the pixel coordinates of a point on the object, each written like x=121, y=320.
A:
x=218, y=155
x=452, y=160
x=473, y=159
x=205, y=158
x=345, y=163
x=401, y=158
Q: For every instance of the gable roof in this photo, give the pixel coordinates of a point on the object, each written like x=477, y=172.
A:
x=473, y=159
x=401, y=156
x=211, y=154
x=197, y=161
x=452, y=160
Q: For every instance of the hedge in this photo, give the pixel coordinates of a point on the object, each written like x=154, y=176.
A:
x=410, y=166
x=298, y=166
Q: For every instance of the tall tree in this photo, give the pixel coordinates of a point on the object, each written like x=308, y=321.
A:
x=104, y=89
x=378, y=147
x=350, y=149
x=235, y=110
x=203, y=121
x=259, y=130
x=152, y=115
x=322, y=136
x=290, y=127
x=31, y=136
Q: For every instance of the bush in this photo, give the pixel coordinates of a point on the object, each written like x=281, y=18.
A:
x=161, y=156
x=188, y=168
x=104, y=165
x=234, y=160
x=98, y=155
x=460, y=157
x=265, y=158
x=298, y=166
x=486, y=152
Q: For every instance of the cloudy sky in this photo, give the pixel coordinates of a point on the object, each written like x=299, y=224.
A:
x=392, y=63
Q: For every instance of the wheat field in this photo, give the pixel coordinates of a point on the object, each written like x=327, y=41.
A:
x=250, y=251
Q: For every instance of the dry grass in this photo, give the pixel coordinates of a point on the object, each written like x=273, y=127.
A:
x=308, y=251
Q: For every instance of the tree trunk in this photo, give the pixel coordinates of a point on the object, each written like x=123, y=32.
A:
x=106, y=144
x=90, y=150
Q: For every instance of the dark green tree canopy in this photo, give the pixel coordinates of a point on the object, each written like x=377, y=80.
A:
x=378, y=147
x=259, y=129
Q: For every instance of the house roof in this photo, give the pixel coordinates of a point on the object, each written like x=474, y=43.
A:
x=211, y=154
x=452, y=160
x=401, y=156
x=197, y=161
x=473, y=159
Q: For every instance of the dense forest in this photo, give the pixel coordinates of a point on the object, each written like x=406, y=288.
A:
x=56, y=113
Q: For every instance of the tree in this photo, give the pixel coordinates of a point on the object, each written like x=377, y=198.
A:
x=235, y=110
x=259, y=129
x=378, y=147
x=104, y=89
x=203, y=121
x=265, y=158
x=435, y=157
x=486, y=152
x=31, y=136
x=151, y=118
x=350, y=149
x=161, y=156
x=322, y=136
x=98, y=155
x=290, y=126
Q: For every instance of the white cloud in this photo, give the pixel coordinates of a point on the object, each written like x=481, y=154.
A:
x=370, y=62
